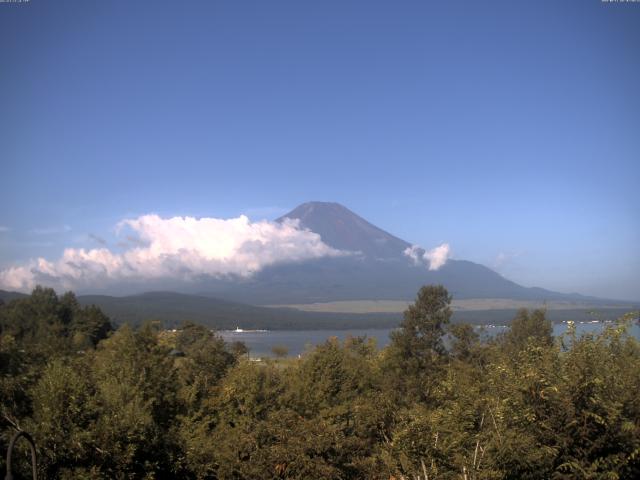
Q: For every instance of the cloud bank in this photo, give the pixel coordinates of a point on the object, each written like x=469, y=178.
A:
x=433, y=259
x=184, y=248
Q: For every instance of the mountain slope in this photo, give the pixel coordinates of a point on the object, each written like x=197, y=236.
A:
x=342, y=229
x=6, y=296
x=331, y=279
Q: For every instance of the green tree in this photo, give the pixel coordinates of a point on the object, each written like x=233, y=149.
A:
x=464, y=341
x=601, y=424
x=136, y=396
x=416, y=352
x=206, y=361
x=529, y=327
x=90, y=325
x=64, y=412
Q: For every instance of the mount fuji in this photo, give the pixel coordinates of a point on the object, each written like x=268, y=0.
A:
x=376, y=268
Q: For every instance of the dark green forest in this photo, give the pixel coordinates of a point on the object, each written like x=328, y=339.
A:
x=142, y=402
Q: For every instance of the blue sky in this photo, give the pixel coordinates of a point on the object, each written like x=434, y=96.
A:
x=510, y=130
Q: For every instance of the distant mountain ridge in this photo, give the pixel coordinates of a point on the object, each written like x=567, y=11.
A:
x=172, y=309
x=6, y=296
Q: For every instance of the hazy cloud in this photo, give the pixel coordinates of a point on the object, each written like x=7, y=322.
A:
x=4, y=229
x=505, y=258
x=175, y=248
x=51, y=230
x=433, y=259
x=97, y=238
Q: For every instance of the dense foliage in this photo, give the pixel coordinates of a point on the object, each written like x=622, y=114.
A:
x=437, y=403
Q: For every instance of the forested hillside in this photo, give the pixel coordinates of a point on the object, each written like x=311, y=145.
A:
x=147, y=403
x=174, y=308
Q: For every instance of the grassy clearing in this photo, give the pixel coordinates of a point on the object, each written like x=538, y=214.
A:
x=470, y=304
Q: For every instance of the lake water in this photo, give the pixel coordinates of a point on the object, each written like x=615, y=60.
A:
x=260, y=343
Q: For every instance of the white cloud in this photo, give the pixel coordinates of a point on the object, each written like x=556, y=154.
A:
x=175, y=248
x=438, y=256
x=414, y=252
x=434, y=258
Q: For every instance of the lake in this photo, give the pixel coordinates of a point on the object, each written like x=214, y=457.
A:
x=260, y=343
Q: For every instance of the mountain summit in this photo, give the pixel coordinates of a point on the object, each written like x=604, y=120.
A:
x=342, y=229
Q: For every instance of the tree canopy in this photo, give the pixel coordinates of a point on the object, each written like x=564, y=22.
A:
x=437, y=403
